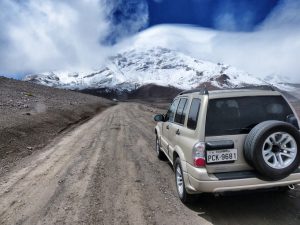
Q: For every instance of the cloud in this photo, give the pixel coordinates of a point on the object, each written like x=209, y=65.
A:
x=273, y=49
x=126, y=17
x=45, y=35
x=234, y=15
x=284, y=16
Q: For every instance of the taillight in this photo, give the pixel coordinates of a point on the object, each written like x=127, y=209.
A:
x=199, y=154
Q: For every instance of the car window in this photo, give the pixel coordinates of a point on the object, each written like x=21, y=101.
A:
x=230, y=116
x=181, y=111
x=193, y=114
x=171, y=112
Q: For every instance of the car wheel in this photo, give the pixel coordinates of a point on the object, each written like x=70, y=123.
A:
x=180, y=185
x=272, y=148
x=159, y=152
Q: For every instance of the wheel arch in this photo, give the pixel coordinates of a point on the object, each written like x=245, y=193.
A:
x=178, y=153
x=157, y=131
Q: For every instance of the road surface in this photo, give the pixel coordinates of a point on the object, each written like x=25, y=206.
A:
x=106, y=172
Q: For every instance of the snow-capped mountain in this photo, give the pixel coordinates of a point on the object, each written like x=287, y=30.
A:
x=134, y=68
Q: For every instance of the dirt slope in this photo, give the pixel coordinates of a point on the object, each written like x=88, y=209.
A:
x=31, y=115
x=106, y=172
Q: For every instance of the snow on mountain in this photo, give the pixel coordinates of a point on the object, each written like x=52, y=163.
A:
x=134, y=68
x=262, y=53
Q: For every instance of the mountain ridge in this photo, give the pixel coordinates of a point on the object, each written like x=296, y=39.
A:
x=129, y=70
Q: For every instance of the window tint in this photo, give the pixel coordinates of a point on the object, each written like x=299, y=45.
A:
x=193, y=114
x=231, y=116
x=171, y=112
x=181, y=111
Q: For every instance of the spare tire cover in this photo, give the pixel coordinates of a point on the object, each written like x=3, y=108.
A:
x=272, y=148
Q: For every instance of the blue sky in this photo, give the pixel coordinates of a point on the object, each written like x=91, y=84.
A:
x=206, y=13
x=244, y=15
x=45, y=35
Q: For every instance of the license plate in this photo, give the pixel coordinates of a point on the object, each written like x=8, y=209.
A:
x=221, y=155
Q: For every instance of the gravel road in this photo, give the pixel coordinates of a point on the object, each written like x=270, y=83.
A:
x=106, y=172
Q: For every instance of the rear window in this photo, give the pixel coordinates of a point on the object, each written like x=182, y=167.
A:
x=231, y=116
x=181, y=111
x=193, y=114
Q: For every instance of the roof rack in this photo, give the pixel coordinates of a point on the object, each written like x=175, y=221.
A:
x=258, y=87
x=204, y=91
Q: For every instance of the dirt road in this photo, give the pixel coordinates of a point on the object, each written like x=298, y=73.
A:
x=106, y=172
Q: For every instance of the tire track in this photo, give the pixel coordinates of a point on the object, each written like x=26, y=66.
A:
x=103, y=172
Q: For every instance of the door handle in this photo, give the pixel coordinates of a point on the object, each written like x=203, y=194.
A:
x=178, y=132
x=167, y=127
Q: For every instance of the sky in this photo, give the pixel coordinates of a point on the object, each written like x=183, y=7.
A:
x=245, y=14
x=47, y=35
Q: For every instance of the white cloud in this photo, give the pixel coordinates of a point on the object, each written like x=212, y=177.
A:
x=226, y=22
x=285, y=15
x=126, y=17
x=273, y=49
x=45, y=35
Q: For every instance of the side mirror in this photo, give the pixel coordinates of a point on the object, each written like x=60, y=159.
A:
x=159, y=117
x=291, y=119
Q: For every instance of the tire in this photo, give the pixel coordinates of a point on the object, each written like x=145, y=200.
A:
x=159, y=153
x=180, y=185
x=272, y=148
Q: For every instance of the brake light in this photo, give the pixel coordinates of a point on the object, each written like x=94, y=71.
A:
x=199, y=154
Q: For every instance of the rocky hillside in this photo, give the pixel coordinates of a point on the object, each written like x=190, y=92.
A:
x=32, y=115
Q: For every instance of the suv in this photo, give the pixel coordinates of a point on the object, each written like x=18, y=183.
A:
x=229, y=140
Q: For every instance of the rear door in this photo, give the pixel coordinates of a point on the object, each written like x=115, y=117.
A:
x=169, y=119
x=228, y=122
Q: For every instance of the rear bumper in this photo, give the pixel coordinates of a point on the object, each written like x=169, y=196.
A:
x=211, y=183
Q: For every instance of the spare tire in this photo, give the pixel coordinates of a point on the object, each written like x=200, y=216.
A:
x=272, y=148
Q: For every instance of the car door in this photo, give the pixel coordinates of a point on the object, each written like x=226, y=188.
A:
x=166, y=126
x=178, y=124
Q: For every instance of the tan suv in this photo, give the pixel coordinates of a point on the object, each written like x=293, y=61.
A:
x=229, y=140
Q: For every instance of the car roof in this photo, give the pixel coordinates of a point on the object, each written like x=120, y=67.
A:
x=237, y=92
x=241, y=93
